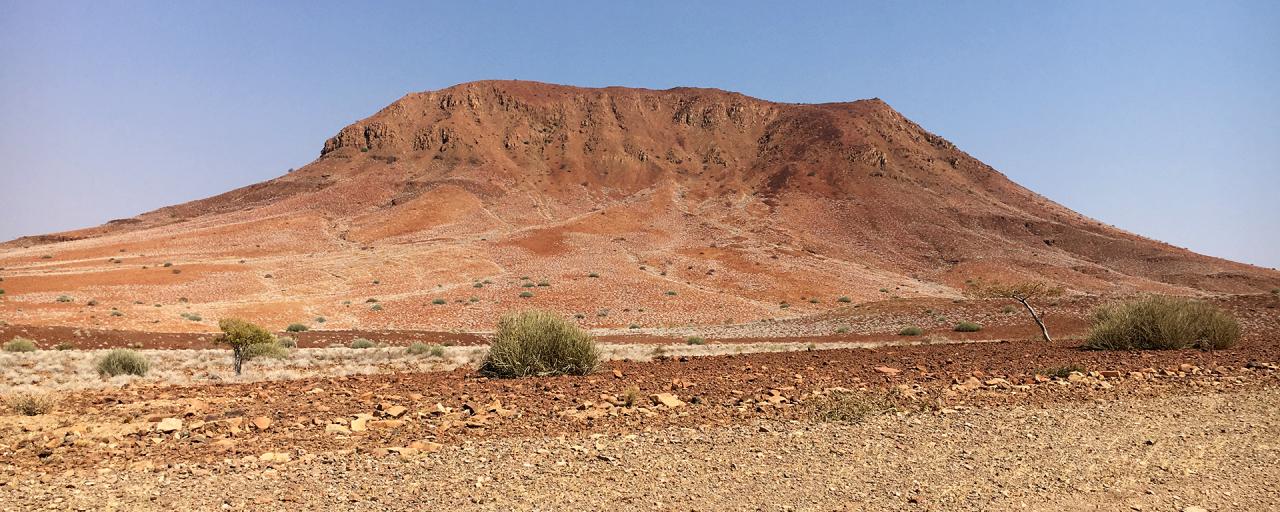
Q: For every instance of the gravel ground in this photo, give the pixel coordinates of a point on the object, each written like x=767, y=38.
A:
x=1202, y=449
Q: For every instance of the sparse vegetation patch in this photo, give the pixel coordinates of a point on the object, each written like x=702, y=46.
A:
x=123, y=362
x=30, y=403
x=539, y=343
x=20, y=344
x=1161, y=323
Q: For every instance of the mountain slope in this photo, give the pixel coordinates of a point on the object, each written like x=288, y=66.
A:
x=733, y=203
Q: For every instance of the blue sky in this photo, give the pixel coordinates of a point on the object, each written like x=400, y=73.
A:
x=1162, y=118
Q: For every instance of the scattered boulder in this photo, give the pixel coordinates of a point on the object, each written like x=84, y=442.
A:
x=168, y=425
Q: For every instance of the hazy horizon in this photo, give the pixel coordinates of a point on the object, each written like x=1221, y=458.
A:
x=1161, y=119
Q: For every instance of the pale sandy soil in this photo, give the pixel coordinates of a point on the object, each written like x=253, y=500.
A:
x=1203, y=449
x=75, y=369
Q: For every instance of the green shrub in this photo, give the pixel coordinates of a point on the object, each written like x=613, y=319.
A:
x=525, y=295
x=20, y=345
x=671, y=293
x=419, y=348
x=438, y=301
x=593, y=275
x=362, y=343
x=539, y=343
x=274, y=350
x=63, y=346
x=1161, y=323
x=242, y=336
x=376, y=307
x=968, y=327
x=296, y=328
x=544, y=283
x=123, y=362
x=64, y=298
x=287, y=342
x=320, y=320
x=910, y=331
x=477, y=284
x=695, y=340
x=844, y=299
x=842, y=330
x=528, y=285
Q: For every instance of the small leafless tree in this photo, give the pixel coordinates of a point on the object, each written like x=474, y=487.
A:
x=1023, y=292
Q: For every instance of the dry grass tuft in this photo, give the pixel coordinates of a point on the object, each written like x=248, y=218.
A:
x=20, y=345
x=1162, y=323
x=845, y=406
x=539, y=343
x=123, y=362
x=30, y=403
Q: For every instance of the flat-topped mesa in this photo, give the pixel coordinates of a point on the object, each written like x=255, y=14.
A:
x=735, y=203
x=648, y=135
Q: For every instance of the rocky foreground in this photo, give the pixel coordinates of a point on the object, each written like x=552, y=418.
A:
x=976, y=427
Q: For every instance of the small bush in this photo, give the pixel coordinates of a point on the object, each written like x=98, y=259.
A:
x=631, y=396
x=362, y=343
x=544, y=283
x=287, y=342
x=539, y=343
x=438, y=301
x=967, y=327
x=274, y=350
x=478, y=284
x=63, y=346
x=911, y=331
x=64, y=298
x=30, y=404
x=1161, y=323
x=842, y=330
x=593, y=275
x=528, y=285
x=376, y=307
x=695, y=340
x=20, y=345
x=525, y=295
x=123, y=362
x=418, y=349
x=671, y=293
x=296, y=328
x=320, y=320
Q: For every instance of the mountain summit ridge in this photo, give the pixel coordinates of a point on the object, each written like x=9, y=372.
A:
x=742, y=202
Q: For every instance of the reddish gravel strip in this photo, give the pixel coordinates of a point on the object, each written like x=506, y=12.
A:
x=720, y=390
